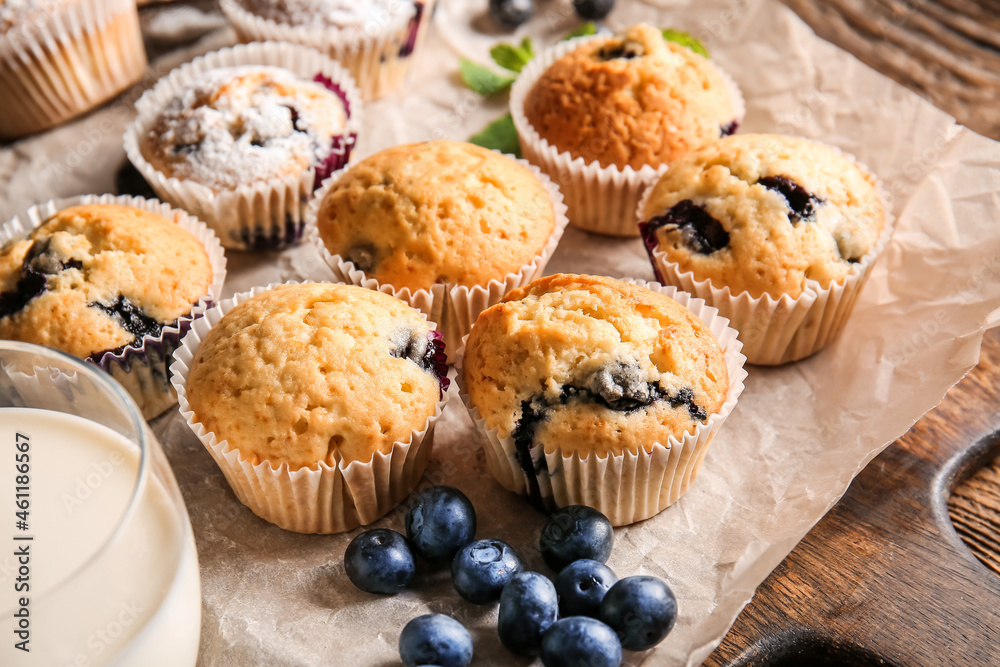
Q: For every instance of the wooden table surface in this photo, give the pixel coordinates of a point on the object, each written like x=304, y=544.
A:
x=905, y=570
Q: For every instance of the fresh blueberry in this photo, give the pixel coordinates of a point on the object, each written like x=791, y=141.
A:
x=699, y=230
x=511, y=13
x=528, y=606
x=482, y=568
x=642, y=610
x=802, y=204
x=580, y=640
x=581, y=586
x=576, y=532
x=441, y=520
x=380, y=561
x=435, y=639
x=593, y=10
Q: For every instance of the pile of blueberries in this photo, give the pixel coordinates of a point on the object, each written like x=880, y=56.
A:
x=512, y=13
x=586, y=617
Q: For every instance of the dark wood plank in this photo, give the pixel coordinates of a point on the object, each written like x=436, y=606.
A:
x=946, y=50
x=884, y=578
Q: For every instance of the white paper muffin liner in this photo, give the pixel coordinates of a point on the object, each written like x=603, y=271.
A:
x=625, y=487
x=454, y=307
x=261, y=215
x=378, y=55
x=328, y=499
x=141, y=370
x=600, y=199
x=786, y=329
x=58, y=64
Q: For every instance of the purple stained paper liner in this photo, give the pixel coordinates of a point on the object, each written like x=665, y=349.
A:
x=143, y=368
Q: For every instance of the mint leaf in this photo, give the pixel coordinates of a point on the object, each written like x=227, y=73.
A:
x=685, y=39
x=588, y=28
x=500, y=135
x=483, y=80
x=513, y=57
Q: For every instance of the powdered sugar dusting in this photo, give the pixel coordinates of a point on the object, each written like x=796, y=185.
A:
x=243, y=124
x=13, y=12
x=328, y=13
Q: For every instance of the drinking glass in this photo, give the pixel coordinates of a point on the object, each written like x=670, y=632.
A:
x=97, y=558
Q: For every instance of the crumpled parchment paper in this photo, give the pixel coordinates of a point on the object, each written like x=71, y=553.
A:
x=797, y=437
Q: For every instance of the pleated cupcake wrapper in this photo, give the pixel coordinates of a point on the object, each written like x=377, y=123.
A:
x=455, y=307
x=776, y=331
x=626, y=487
x=377, y=56
x=328, y=499
x=141, y=370
x=262, y=215
x=600, y=199
x=65, y=60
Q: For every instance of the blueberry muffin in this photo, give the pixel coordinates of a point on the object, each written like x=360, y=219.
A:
x=374, y=40
x=764, y=214
x=61, y=58
x=236, y=126
x=99, y=278
x=578, y=366
x=439, y=212
x=316, y=400
x=630, y=100
x=303, y=374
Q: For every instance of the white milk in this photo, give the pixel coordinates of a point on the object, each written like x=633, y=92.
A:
x=133, y=601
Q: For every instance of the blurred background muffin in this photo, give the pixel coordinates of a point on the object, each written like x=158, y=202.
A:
x=375, y=39
x=602, y=115
x=60, y=58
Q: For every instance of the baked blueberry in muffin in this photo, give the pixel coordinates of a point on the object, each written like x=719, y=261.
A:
x=764, y=214
x=98, y=278
x=584, y=365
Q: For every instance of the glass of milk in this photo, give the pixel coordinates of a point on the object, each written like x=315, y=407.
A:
x=97, y=558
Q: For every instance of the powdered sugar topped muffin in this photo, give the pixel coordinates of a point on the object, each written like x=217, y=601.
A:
x=764, y=214
x=632, y=99
x=373, y=39
x=328, y=13
x=243, y=124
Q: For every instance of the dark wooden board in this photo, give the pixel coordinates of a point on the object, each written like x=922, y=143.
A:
x=884, y=578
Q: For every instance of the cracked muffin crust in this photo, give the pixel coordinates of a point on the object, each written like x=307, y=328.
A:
x=239, y=125
x=588, y=364
x=306, y=373
x=437, y=212
x=632, y=99
x=100, y=277
x=763, y=214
